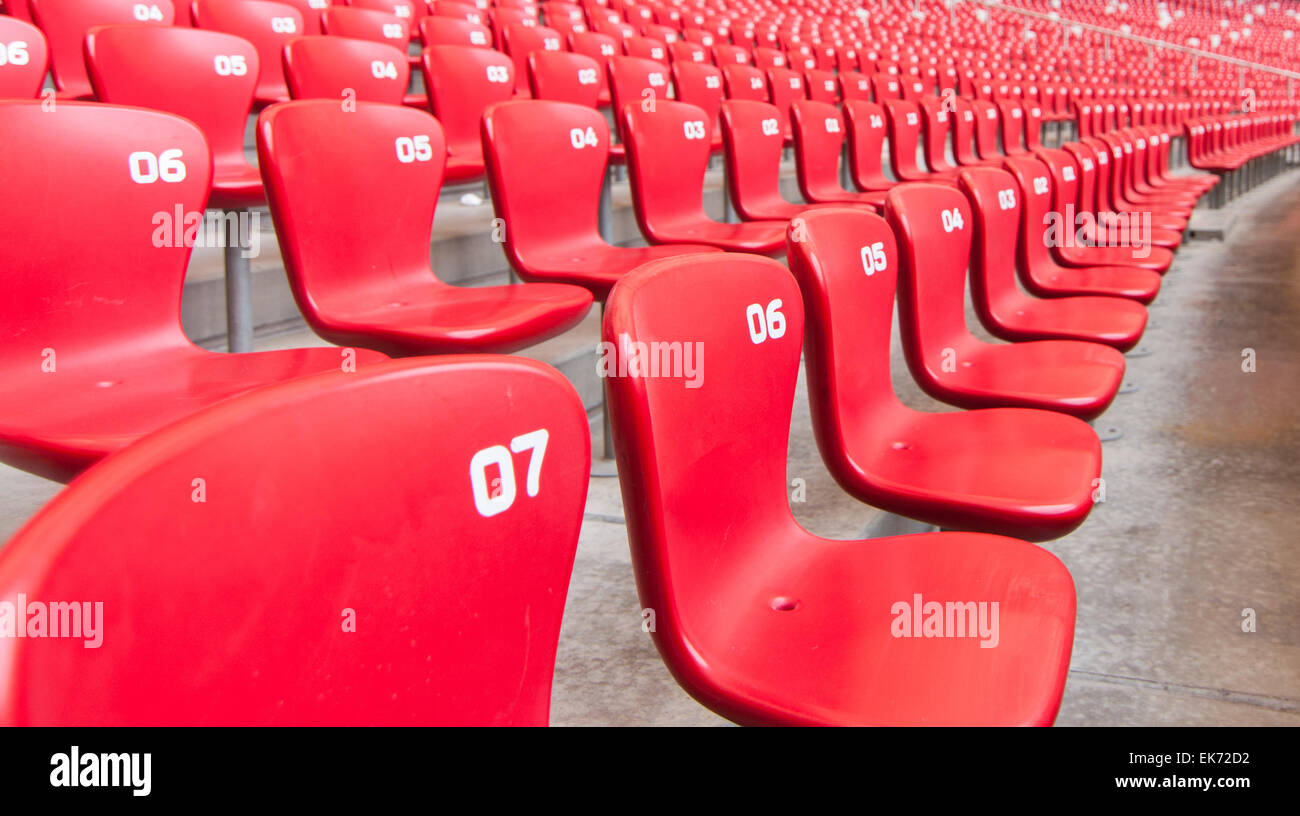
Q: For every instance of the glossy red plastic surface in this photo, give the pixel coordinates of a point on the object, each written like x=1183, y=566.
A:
x=1012, y=471
x=904, y=120
x=668, y=152
x=758, y=619
x=335, y=179
x=267, y=25
x=522, y=40
x=532, y=152
x=326, y=67
x=366, y=24
x=1135, y=249
x=563, y=76
x=463, y=81
x=65, y=23
x=313, y=519
x=1039, y=271
x=90, y=321
x=1003, y=308
x=124, y=60
x=23, y=80
x=933, y=225
x=818, y=142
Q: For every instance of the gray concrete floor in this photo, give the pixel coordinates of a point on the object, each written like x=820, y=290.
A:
x=1198, y=523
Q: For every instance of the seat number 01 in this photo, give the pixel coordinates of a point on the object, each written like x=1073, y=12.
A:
x=765, y=323
x=497, y=497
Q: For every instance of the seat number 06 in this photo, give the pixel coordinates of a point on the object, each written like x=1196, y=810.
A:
x=764, y=323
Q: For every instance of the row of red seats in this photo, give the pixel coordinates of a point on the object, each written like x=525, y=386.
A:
x=795, y=644
x=875, y=461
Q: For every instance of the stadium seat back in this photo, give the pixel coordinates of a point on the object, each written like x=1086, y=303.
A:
x=27, y=58
x=205, y=76
x=752, y=134
x=267, y=25
x=378, y=173
x=564, y=76
x=366, y=24
x=306, y=573
x=116, y=251
x=933, y=227
x=439, y=30
x=680, y=522
x=534, y=148
x=462, y=81
x=846, y=262
x=65, y=23
x=326, y=67
x=668, y=152
x=866, y=133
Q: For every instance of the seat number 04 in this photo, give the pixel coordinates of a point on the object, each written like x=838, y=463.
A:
x=952, y=220
x=580, y=138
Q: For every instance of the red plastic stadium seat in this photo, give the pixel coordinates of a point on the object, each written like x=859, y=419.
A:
x=563, y=76
x=818, y=142
x=1012, y=315
x=745, y=82
x=522, y=40
x=438, y=30
x=112, y=363
x=336, y=180
x=367, y=24
x=310, y=10
x=933, y=225
x=701, y=85
x=1012, y=471
x=667, y=153
x=1039, y=271
x=534, y=148
x=326, y=67
x=866, y=134
x=462, y=82
x=380, y=582
x=26, y=59
x=963, y=134
x=758, y=619
x=752, y=135
x=267, y=25
x=65, y=23
x=1064, y=180
x=209, y=79
x=904, y=119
